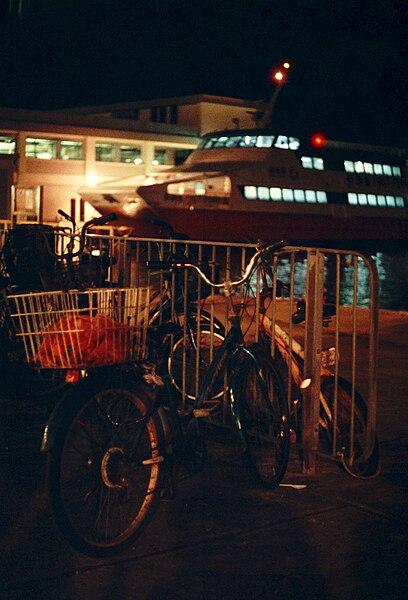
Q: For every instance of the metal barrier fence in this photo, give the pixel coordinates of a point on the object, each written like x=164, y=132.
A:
x=329, y=280
x=323, y=277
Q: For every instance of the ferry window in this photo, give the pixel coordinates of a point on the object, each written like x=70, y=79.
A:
x=381, y=200
x=378, y=169
x=264, y=141
x=287, y=195
x=7, y=144
x=248, y=140
x=250, y=192
x=372, y=200
x=359, y=166
x=276, y=193
x=294, y=143
x=321, y=197
x=387, y=170
x=368, y=168
x=310, y=196
x=263, y=193
x=312, y=162
x=300, y=195
x=391, y=201
x=130, y=154
x=396, y=171
x=362, y=199
x=233, y=142
x=220, y=142
x=282, y=142
x=352, y=198
x=160, y=156
x=199, y=188
x=400, y=202
x=71, y=150
x=44, y=149
x=349, y=166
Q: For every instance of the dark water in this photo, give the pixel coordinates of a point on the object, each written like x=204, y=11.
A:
x=355, y=279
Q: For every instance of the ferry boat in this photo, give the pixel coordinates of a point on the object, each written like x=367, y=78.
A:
x=251, y=184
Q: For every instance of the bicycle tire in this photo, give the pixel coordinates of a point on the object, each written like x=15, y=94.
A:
x=183, y=358
x=350, y=460
x=263, y=416
x=105, y=469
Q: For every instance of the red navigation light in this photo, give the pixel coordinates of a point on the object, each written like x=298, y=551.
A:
x=318, y=140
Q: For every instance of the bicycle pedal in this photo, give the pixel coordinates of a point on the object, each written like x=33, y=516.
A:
x=201, y=412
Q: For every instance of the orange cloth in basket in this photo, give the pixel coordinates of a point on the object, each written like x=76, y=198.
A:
x=84, y=341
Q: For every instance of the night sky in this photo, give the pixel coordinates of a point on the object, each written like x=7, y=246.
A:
x=350, y=58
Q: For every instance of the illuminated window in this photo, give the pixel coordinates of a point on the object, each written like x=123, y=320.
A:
x=371, y=168
x=7, y=144
x=41, y=148
x=312, y=162
x=105, y=152
x=264, y=141
x=130, y=154
x=263, y=193
x=160, y=156
x=287, y=195
x=276, y=193
x=71, y=150
x=250, y=192
x=321, y=197
x=49, y=149
x=376, y=200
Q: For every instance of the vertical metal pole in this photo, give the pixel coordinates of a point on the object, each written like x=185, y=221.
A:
x=313, y=347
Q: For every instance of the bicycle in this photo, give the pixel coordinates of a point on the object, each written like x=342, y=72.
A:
x=116, y=439
x=255, y=394
x=343, y=412
x=30, y=262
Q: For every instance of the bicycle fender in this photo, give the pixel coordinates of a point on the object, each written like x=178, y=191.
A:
x=237, y=382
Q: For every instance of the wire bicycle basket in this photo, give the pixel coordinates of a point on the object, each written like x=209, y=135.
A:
x=81, y=329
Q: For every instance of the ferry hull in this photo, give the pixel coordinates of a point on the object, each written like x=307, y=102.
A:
x=296, y=229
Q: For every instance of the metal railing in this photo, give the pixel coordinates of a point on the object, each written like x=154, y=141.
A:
x=348, y=281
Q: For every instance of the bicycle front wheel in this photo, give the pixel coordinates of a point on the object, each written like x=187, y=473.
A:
x=189, y=360
x=104, y=470
x=263, y=417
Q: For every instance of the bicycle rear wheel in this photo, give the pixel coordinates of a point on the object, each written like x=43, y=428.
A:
x=263, y=417
x=348, y=439
x=104, y=471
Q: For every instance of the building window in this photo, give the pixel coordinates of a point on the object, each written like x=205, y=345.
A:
x=71, y=150
x=121, y=153
x=41, y=148
x=160, y=156
x=7, y=144
x=48, y=149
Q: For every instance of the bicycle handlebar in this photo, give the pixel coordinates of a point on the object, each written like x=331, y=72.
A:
x=97, y=221
x=175, y=263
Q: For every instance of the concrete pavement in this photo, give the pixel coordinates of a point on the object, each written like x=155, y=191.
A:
x=338, y=538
